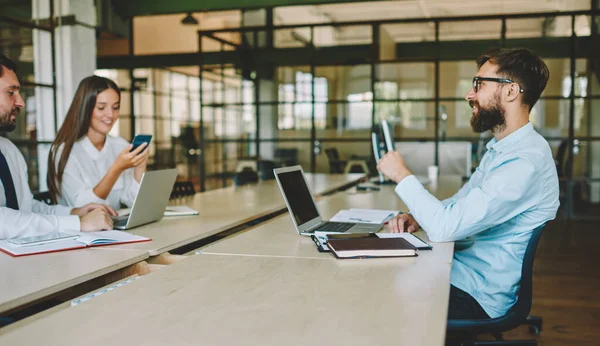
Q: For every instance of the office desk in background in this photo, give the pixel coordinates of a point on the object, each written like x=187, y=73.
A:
x=278, y=237
x=27, y=279
x=226, y=208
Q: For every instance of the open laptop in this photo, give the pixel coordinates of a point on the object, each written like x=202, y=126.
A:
x=151, y=200
x=303, y=209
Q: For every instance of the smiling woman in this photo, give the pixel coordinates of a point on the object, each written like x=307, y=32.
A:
x=87, y=164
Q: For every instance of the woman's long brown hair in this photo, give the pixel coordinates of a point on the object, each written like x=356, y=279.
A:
x=75, y=127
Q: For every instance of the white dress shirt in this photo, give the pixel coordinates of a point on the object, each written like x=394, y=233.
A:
x=33, y=217
x=87, y=166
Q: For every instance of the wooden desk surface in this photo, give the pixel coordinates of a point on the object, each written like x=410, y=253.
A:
x=279, y=238
x=27, y=279
x=227, y=208
x=233, y=300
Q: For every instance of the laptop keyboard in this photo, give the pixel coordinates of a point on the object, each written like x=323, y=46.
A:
x=334, y=226
x=120, y=220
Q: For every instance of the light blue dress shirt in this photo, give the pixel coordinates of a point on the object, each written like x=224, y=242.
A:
x=513, y=191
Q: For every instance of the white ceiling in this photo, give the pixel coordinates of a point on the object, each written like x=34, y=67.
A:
x=402, y=9
x=398, y=9
x=179, y=35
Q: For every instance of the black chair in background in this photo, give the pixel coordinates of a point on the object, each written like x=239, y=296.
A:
x=336, y=165
x=43, y=197
x=182, y=189
x=246, y=176
x=466, y=330
x=265, y=169
x=286, y=156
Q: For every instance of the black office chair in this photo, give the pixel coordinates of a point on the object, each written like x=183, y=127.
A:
x=464, y=331
x=43, y=197
x=286, y=156
x=265, y=169
x=336, y=165
x=182, y=189
x=246, y=176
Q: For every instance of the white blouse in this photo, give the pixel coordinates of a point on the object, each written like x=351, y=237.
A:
x=33, y=217
x=87, y=166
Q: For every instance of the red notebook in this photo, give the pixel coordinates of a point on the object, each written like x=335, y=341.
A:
x=85, y=239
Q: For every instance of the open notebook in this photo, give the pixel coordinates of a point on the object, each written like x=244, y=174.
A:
x=85, y=239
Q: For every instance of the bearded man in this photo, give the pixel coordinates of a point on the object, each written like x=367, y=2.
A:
x=513, y=191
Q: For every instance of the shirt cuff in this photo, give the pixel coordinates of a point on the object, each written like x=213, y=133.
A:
x=61, y=210
x=135, y=187
x=69, y=223
x=408, y=188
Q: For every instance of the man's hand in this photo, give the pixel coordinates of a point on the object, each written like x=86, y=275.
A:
x=93, y=206
x=392, y=165
x=403, y=223
x=96, y=220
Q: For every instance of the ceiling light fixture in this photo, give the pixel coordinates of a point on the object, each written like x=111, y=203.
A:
x=189, y=20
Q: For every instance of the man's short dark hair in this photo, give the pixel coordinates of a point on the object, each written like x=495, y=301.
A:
x=522, y=66
x=6, y=63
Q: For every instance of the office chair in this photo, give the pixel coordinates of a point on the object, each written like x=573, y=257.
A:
x=43, y=197
x=246, y=176
x=265, y=169
x=182, y=189
x=465, y=330
x=286, y=156
x=336, y=165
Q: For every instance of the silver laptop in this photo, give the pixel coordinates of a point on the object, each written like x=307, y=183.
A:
x=151, y=200
x=303, y=209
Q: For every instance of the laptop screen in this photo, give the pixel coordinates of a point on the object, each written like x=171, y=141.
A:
x=298, y=196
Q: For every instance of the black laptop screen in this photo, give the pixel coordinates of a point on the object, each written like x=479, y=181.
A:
x=298, y=196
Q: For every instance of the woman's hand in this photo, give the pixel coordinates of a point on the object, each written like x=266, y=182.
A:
x=127, y=159
x=139, y=170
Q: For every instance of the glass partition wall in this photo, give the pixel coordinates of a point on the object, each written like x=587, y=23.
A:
x=24, y=40
x=311, y=95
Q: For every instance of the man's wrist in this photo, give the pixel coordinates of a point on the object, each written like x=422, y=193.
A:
x=401, y=175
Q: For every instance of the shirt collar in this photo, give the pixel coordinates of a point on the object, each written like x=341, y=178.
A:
x=510, y=140
x=90, y=149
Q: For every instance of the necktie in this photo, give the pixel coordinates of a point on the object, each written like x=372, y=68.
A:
x=9, y=186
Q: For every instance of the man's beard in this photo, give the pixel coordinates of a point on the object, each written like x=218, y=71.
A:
x=490, y=118
x=5, y=124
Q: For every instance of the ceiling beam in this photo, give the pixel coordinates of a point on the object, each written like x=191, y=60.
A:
x=133, y=8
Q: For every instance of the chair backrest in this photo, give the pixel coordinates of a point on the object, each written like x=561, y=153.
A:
x=332, y=154
x=523, y=304
x=560, y=158
x=287, y=156
x=517, y=314
x=335, y=164
x=265, y=169
x=247, y=176
x=182, y=189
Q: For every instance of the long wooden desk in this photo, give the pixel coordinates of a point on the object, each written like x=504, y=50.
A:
x=233, y=300
x=226, y=208
x=27, y=279
x=279, y=238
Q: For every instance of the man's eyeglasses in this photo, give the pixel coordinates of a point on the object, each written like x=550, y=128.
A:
x=477, y=82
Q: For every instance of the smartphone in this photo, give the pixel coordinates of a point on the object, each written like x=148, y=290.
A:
x=139, y=139
x=42, y=239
